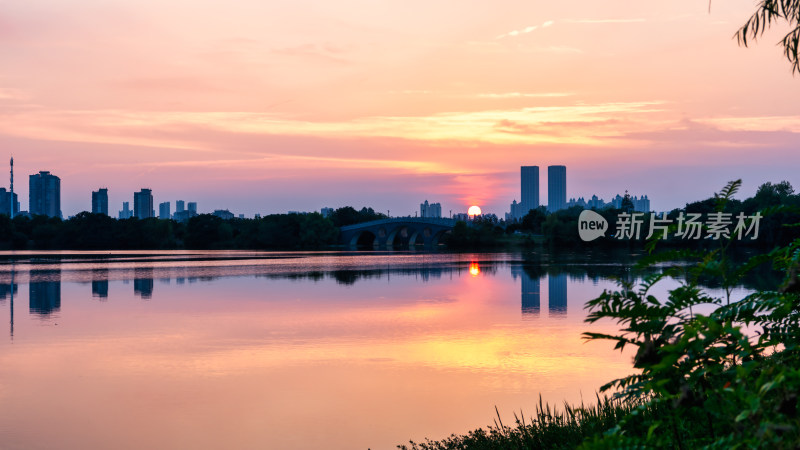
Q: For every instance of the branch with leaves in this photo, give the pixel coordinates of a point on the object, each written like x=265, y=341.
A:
x=771, y=12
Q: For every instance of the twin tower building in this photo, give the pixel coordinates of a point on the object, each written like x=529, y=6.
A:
x=556, y=190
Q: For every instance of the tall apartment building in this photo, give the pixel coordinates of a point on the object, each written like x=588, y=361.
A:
x=44, y=195
x=556, y=188
x=529, y=184
x=100, y=201
x=433, y=210
x=143, y=204
x=163, y=211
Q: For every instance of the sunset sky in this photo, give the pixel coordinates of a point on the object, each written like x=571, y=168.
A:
x=261, y=106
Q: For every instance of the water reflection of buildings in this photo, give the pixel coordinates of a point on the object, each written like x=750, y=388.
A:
x=100, y=283
x=557, y=293
x=9, y=291
x=531, y=293
x=143, y=283
x=426, y=274
x=45, y=292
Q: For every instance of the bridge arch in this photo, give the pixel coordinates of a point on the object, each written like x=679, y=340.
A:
x=363, y=238
x=423, y=235
x=435, y=238
x=400, y=230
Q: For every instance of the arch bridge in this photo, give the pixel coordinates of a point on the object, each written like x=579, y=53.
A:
x=397, y=231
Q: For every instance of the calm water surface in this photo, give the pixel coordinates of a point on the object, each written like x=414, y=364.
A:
x=288, y=350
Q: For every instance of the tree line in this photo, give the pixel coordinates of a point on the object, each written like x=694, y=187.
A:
x=87, y=231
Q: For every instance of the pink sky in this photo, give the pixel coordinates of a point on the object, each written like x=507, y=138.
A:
x=264, y=107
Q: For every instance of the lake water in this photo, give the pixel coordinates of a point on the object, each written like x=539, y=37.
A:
x=289, y=350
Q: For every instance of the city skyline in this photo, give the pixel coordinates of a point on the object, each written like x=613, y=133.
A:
x=49, y=191
x=370, y=106
x=144, y=201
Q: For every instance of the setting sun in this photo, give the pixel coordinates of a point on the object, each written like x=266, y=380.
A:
x=474, y=211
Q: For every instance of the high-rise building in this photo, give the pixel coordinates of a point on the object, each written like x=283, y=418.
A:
x=126, y=212
x=100, y=201
x=163, y=211
x=8, y=203
x=433, y=210
x=326, y=212
x=44, y=195
x=516, y=213
x=556, y=188
x=641, y=204
x=182, y=215
x=529, y=183
x=143, y=204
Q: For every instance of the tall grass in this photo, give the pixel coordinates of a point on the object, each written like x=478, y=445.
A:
x=548, y=428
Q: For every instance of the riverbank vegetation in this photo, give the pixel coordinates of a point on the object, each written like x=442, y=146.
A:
x=87, y=231
x=709, y=371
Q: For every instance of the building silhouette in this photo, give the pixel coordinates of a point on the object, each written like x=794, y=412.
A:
x=640, y=204
x=224, y=214
x=181, y=214
x=529, y=190
x=143, y=204
x=100, y=201
x=8, y=203
x=163, y=211
x=44, y=195
x=126, y=212
x=556, y=188
x=430, y=210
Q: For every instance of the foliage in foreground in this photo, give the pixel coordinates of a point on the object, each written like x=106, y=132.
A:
x=735, y=369
x=713, y=372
